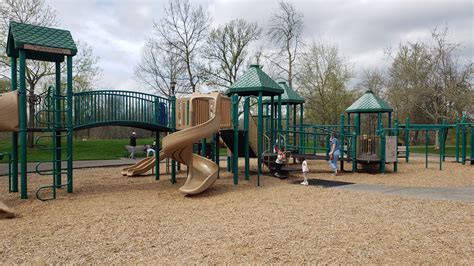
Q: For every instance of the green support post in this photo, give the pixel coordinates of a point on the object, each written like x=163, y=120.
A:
x=203, y=147
x=216, y=152
x=472, y=143
x=235, y=152
x=354, y=151
x=407, y=140
x=294, y=129
x=22, y=130
x=57, y=126
x=357, y=123
x=427, y=139
x=287, y=128
x=395, y=166
x=379, y=120
x=441, y=148
x=301, y=129
x=272, y=123
x=173, y=129
x=157, y=140
x=463, y=141
x=342, y=143
x=247, y=144
x=69, y=125
x=14, y=85
x=279, y=117
x=457, y=140
x=382, y=148
x=260, y=136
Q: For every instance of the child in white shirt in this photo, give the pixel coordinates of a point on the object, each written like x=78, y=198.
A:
x=304, y=168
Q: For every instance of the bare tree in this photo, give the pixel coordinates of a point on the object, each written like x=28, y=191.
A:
x=183, y=29
x=426, y=79
x=286, y=27
x=159, y=67
x=226, y=51
x=374, y=80
x=324, y=77
x=37, y=12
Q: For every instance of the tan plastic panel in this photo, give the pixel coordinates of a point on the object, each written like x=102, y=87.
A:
x=9, y=112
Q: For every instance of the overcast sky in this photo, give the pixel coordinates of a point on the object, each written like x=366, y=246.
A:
x=362, y=30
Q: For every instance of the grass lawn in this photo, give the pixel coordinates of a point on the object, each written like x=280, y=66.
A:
x=450, y=150
x=84, y=150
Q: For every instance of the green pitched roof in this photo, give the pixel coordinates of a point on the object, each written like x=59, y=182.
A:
x=369, y=103
x=253, y=81
x=288, y=97
x=40, y=43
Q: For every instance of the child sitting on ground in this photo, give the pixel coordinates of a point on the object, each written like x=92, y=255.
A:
x=304, y=168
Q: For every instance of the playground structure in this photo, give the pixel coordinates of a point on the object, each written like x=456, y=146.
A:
x=371, y=139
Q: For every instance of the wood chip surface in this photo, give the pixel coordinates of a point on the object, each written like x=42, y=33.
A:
x=116, y=219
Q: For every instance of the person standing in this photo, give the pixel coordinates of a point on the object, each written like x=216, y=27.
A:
x=334, y=153
x=133, y=145
x=304, y=168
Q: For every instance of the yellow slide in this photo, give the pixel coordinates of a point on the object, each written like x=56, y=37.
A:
x=179, y=146
x=142, y=166
x=5, y=212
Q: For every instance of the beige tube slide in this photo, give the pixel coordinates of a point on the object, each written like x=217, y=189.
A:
x=179, y=146
x=142, y=166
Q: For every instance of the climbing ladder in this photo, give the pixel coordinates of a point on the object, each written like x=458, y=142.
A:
x=52, y=119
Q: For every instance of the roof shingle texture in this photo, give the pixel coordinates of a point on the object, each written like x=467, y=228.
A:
x=36, y=35
x=369, y=103
x=288, y=97
x=253, y=81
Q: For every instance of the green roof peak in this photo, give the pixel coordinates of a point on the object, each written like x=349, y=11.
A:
x=40, y=43
x=288, y=97
x=254, y=81
x=369, y=103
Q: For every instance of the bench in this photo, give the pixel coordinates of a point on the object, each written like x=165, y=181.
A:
x=401, y=151
x=139, y=150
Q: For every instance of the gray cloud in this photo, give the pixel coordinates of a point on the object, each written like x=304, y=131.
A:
x=362, y=29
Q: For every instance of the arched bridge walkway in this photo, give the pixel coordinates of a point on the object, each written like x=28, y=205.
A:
x=121, y=108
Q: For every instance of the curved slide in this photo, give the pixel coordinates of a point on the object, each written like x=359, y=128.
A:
x=179, y=146
x=5, y=212
x=142, y=166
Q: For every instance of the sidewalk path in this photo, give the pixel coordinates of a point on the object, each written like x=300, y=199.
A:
x=465, y=194
x=81, y=164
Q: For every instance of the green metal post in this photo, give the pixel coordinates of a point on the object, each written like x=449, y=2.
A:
x=216, y=152
x=69, y=125
x=235, y=122
x=463, y=141
x=157, y=140
x=395, y=166
x=427, y=139
x=22, y=131
x=203, y=147
x=287, y=123
x=272, y=122
x=357, y=123
x=354, y=151
x=57, y=126
x=342, y=143
x=157, y=155
x=441, y=148
x=472, y=143
x=301, y=130
x=457, y=139
x=14, y=84
x=247, y=144
x=279, y=117
x=407, y=139
x=382, y=148
x=389, y=123
x=173, y=129
x=294, y=126
x=260, y=137
x=379, y=120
